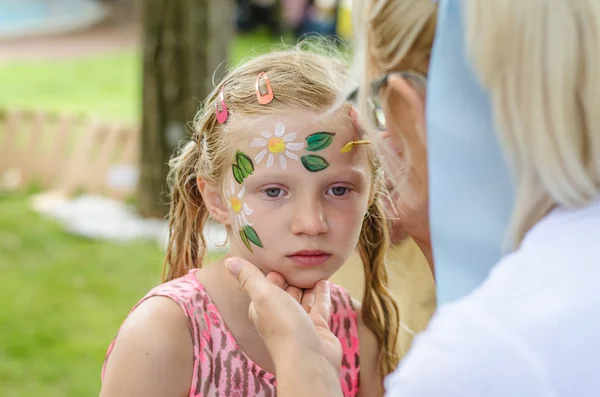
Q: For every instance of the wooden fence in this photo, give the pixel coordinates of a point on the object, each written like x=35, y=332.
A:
x=69, y=154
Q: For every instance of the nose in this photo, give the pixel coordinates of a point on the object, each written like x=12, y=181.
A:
x=309, y=218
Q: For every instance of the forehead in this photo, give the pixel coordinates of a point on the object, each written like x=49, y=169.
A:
x=304, y=140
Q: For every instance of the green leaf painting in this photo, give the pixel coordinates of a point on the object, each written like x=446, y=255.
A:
x=244, y=162
x=252, y=236
x=319, y=141
x=242, y=166
x=238, y=174
x=248, y=235
x=314, y=163
x=245, y=240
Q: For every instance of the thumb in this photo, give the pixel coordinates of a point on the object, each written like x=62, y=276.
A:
x=250, y=278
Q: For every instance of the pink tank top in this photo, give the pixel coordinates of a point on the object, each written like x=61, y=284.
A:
x=221, y=368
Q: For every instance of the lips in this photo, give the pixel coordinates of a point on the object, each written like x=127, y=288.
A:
x=310, y=257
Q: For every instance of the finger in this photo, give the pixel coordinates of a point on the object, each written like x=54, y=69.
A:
x=250, y=278
x=322, y=302
x=356, y=122
x=295, y=292
x=252, y=313
x=308, y=300
x=277, y=279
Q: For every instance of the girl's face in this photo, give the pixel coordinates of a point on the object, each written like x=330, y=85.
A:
x=296, y=203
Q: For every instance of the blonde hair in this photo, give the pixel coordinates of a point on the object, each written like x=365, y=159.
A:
x=541, y=63
x=393, y=36
x=299, y=78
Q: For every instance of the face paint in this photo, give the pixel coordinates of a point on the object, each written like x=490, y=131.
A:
x=241, y=211
x=242, y=166
x=277, y=145
x=319, y=141
x=248, y=235
x=314, y=163
x=350, y=145
x=314, y=143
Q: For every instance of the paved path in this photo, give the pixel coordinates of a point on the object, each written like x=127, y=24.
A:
x=120, y=31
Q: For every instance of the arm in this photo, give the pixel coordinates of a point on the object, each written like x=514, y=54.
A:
x=371, y=380
x=153, y=354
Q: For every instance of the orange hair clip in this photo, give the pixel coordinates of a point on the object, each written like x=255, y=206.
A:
x=268, y=97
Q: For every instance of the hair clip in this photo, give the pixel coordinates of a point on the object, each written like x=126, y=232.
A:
x=268, y=97
x=350, y=145
x=223, y=114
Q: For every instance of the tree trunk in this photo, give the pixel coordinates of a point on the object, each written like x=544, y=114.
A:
x=185, y=41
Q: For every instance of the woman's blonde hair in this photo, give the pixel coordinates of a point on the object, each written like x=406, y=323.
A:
x=392, y=36
x=303, y=78
x=540, y=61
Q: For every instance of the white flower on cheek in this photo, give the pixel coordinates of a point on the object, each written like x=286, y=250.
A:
x=240, y=209
x=277, y=144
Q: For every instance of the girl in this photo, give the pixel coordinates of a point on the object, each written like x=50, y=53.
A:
x=263, y=163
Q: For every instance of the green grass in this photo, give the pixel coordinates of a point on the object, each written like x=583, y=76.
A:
x=104, y=85
x=107, y=85
x=63, y=297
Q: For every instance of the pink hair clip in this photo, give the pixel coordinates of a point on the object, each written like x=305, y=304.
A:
x=223, y=114
x=268, y=97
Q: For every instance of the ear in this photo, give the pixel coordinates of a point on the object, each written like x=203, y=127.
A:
x=413, y=94
x=213, y=199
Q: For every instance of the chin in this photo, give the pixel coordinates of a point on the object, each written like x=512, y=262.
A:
x=306, y=280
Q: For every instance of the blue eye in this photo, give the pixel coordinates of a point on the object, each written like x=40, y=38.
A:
x=274, y=192
x=338, y=191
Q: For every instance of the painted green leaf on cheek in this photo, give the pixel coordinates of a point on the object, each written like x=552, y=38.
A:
x=252, y=236
x=319, y=141
x=314, y=163
x=245, y=240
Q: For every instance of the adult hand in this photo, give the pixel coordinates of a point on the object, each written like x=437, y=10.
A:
x=294, y=327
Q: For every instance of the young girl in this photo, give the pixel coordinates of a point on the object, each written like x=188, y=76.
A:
x=264, y=162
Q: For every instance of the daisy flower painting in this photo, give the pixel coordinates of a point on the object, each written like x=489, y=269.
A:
x=241, y=211
x=277, y=145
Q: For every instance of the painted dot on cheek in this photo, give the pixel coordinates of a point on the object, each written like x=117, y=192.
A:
x=276, y=145
x=236, y=204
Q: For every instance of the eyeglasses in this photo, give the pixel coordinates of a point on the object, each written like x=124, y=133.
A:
x=374, y=103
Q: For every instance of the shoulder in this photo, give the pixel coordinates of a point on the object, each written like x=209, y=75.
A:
x=529, y=329
x=153, y=353
x=368, y=342
x=182, y=290
x=562, y=233
x=341, y=301
x=371, y=383
x=461, y=354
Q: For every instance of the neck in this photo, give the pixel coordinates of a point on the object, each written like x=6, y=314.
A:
x=220, y=282
x=233, y=303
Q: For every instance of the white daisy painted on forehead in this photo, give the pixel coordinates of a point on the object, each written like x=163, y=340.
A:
x=277, y=144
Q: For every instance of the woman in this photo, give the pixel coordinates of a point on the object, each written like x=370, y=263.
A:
x=531, y=327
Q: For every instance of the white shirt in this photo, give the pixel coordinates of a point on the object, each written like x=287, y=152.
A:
x=532, y=329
